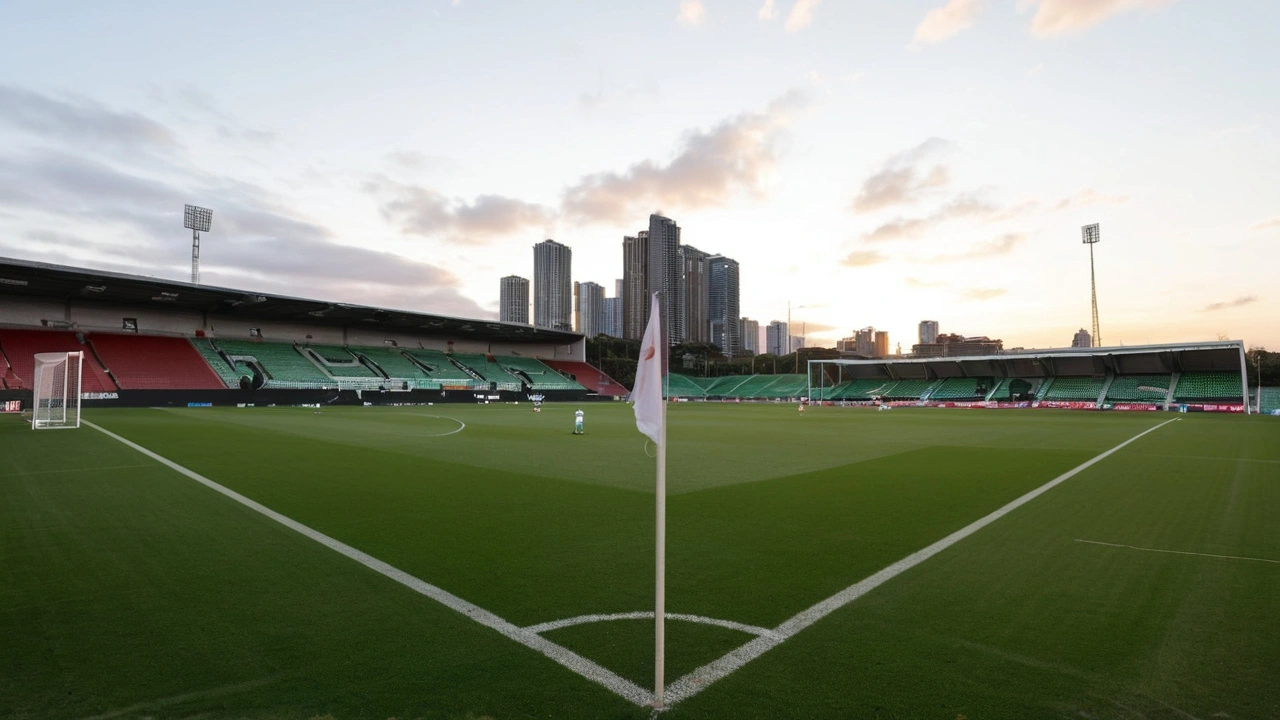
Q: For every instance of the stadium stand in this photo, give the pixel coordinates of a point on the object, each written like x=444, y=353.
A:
x=1139, y=388
x=285, y=366
x=1270, y=399
x=785, y=386
x=21, y=346
x=723, y=386
x=229, y=374
x=1208, y=386
x=683, y=386
x=398, y=368
x=1004, y=390
x=909, y=389
x=141, y=362
x=339, y=362
x=752, y=386
x=438, y=367
x=1075, y=388
x=588, y=377
x=488, y=368
x=536, y=373
x=962, y=389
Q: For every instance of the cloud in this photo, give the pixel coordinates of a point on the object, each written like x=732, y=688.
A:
x=710, y=168
x=899, y=228
x=692, y=13
x=1061, y=17
x=1086, y=197
x=82, y=120
x=801, y=15
x=1002, y=245
x=1267, y=224
x=983, y=293
x=863, y=258
x=767, y=11
x=1238, y=302
x=1035, y=70
x=923, y=284
x=422, y=211
x=944, y=22
x=903, y=179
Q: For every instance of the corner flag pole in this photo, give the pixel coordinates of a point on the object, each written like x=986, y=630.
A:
x=660, y=542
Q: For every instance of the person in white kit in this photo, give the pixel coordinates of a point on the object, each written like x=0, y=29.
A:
x=577, y=423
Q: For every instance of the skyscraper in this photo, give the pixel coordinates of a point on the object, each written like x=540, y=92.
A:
x=552, y=286
x=1082, y=339
x=928, y=331
x=635, y=285
x=696, y=294
x=881, y=348
x=775, y=338
x=723, y=305
x=749, y=331
x=513, y=300
x=666, y=273
x=590, y=308
x=612, y=308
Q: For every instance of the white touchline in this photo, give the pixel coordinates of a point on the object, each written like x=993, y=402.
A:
x=564, y=656
x=1178, y=552
x=700, y=679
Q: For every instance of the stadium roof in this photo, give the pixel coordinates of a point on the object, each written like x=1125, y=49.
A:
x=23, y=278
x=1226, y=355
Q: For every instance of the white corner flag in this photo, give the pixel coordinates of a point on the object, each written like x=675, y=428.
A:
x=651, y=419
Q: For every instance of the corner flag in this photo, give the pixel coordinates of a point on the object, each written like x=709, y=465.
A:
x=647, y=394
x=651, y=419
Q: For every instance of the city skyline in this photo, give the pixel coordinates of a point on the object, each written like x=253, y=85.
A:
x=931, y=159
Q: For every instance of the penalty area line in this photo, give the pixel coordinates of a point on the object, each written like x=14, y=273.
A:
x=565, y=657
x=698, y=680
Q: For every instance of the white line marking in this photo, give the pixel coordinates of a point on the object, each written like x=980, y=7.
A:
x=461, y=425
x=1179, y=552
x=698, y=680
x=564, y=656
x=71, y=470
x=648, y=615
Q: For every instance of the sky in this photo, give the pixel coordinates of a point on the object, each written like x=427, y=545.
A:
x=869, y=163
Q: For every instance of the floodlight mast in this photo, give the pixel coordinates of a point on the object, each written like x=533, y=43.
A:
x=197, y=220
x=1091, y=235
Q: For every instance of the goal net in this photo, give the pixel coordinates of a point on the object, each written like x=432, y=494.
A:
x=56, y=401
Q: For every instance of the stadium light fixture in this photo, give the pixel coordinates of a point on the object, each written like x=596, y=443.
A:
x=197, y=220
x=1091, y=234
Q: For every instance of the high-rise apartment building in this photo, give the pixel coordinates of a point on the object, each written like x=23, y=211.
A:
x=590, y=308
x=612, y=315
x=776, y=340
x=552, y=285
x=881, y=347
x=635, y=284
x=666, y=273
x=928, y=331
x=513, y=300
x=1082, y=339
x=697, y=324
x=749, y=331
x=722, y=307
x=865, y=340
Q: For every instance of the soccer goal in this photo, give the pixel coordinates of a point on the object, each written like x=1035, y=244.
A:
x=56, y=401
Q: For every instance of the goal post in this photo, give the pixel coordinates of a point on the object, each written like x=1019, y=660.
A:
x=56, y=390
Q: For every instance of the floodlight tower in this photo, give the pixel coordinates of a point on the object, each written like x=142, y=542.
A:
x=197, y=220
x=1092, y=235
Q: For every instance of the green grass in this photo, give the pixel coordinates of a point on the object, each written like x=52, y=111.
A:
x=128, y=590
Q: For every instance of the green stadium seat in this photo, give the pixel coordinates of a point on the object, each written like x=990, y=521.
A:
x=540, y=377
x=961, y=389
x=437, y=366
x=682, y=386
x=339, y=362
x=230, y=375
x=1075, y=389
x=488, y=367
x=1139, y=388
x=1208, y=386
x=286, y=367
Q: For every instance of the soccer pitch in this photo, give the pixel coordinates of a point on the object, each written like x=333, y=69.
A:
x=1144, y=585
